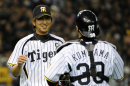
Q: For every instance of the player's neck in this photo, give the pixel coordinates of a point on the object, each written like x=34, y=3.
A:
x=42, y=37
x=41, y=33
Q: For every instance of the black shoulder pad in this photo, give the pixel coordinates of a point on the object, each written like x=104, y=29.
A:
x=64, y=45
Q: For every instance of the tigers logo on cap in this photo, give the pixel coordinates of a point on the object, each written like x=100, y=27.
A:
x=43, y=9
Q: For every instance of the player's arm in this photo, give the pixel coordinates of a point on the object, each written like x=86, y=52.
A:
x=118, y=70
x=53, y=73
x=16, y=69
x=17, y=59
x=58, y=67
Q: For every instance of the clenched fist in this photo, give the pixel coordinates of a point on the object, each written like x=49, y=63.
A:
x=21, y=60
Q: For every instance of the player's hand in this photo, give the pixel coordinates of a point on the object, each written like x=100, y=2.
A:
x=21, y=60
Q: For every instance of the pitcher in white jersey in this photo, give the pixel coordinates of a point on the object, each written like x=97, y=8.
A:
x=88, y=61
x=32, y=54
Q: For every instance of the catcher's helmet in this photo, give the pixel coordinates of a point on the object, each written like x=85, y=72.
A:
x=86, y=21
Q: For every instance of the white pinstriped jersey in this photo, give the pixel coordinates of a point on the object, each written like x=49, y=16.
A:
x=39, y=54
x=74, y=59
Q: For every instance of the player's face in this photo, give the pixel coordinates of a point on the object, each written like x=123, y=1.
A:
x=43, y=25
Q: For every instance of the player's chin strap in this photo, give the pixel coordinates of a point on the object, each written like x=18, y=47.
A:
x=93, y=72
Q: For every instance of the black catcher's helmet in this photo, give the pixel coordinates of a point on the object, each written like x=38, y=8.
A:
x=87, y=21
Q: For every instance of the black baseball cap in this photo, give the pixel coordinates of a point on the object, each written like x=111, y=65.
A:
x=41, y=10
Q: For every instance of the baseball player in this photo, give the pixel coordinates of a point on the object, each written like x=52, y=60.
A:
x=88, y=61
x=32, y=54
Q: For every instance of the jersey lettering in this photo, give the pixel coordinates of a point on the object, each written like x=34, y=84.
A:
x=38, y=55
x=31, y=55
x=84, y=73
x=79, y=55
x=87, y=73
x=101, y=53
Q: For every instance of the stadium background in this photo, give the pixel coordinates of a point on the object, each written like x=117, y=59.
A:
x=15, y=23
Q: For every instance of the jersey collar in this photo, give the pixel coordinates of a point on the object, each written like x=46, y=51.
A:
x=44, y=38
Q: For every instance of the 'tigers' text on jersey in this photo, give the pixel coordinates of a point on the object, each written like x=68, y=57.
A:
x=45, y=55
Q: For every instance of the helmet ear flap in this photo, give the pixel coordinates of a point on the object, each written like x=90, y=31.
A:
x=98, y=31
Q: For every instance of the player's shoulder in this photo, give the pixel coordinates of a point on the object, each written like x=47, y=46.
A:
x=67, y=44
x=58, y=38
x=24, y=39
x=108, y=44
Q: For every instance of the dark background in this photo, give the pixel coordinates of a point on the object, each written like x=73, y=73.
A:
x=113, y=15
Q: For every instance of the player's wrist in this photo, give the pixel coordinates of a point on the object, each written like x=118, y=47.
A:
x=16, y=70
x=19, y=65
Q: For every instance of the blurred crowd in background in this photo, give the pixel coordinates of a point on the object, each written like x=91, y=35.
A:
x=16, y=22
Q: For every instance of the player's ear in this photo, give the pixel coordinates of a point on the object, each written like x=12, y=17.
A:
x=79, y=34
x=76, y=28
x=34, y=21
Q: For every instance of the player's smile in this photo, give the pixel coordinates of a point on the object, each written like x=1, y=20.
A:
x=43, y=24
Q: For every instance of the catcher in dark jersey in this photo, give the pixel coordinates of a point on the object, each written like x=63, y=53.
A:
x=88, y=61
x=32, y=54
